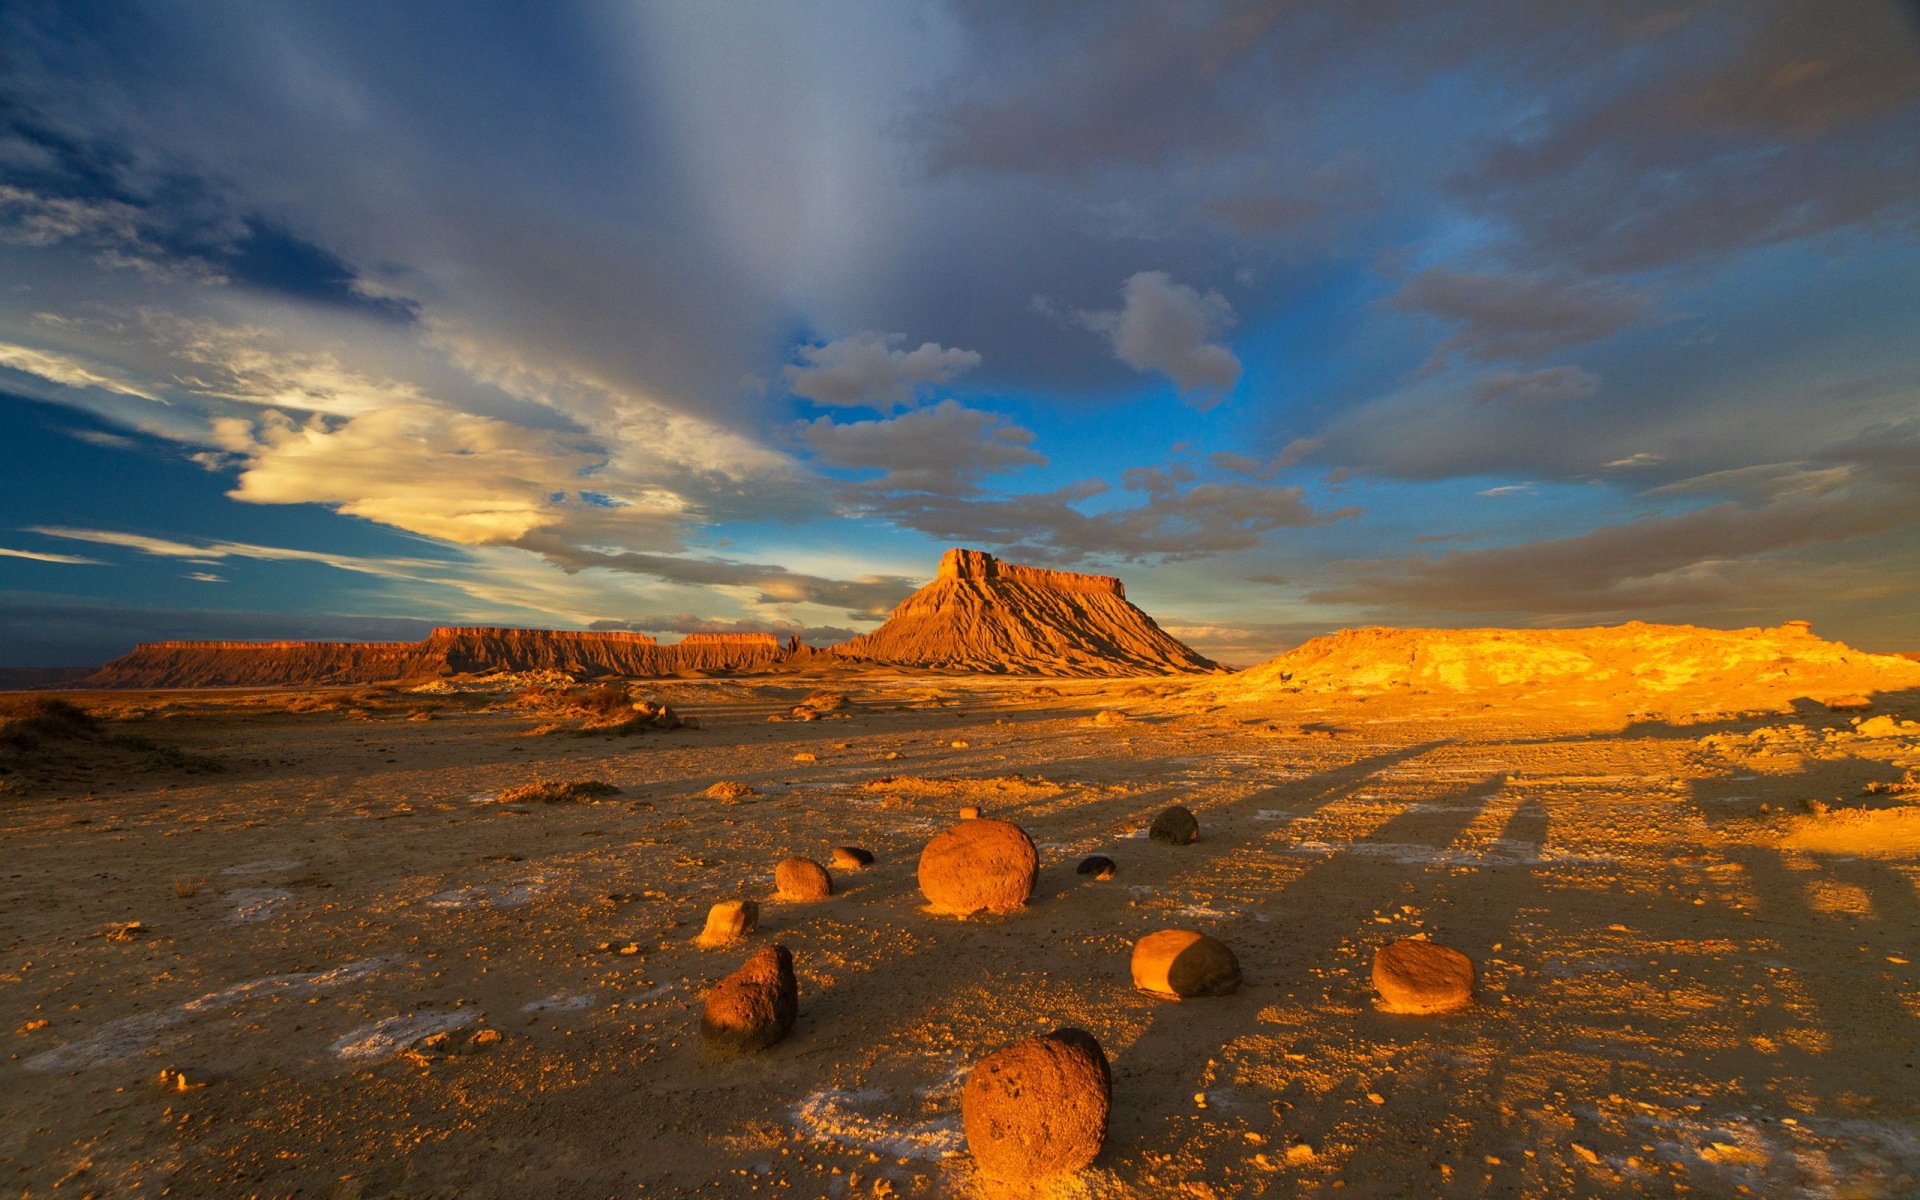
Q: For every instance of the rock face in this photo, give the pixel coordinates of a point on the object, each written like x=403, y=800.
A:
x=802, y=879
x=1177, y=964
x=1176, y=826
x=1422, y=977
x=729, y=921
x=980, y=614
x=1038, y=1108
x=755, y=1006
x=1633, y=665
x=982, y=865
x=475, y=650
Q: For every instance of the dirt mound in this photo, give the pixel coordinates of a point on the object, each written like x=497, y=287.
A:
x=1632, y=665
x=981, y=614
x=447, y=652
x=46, y=741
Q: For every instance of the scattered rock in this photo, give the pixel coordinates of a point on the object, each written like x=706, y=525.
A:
x=1176, y=826
x=1886, y=726
x=851, y=858
x=173, y=1079
x=123, y=931
x=754, y=1007
x=1108, y=716
x=969, y=812
x=1422, y=977
x=728, y=791
x=1038, y=1108
x=818, y=705
x=980, y=865
x=1097, y=865
x=1178, y=964
x=728, y=922
x=960, y=744
x=550, y=791
x=802, y=879
x=1852, y=703
x=806, y=756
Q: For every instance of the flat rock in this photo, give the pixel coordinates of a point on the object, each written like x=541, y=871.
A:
x=1038, y=1108
x=1422, y=977
x=850, y=858
x=1176, y=826
x=969, y=812
x=729, y=921
x=1097, y=865
x=754, y=1007
x=1178, y=964
x=802, y=879
x=982, y=865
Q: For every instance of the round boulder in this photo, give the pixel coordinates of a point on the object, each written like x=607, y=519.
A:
x=802, y=879
x=1038, y=1108
x=729, y=921
x=1422, y=977
x=1176, y=826
x=982, y=865
x=754, y=1007
x=1097, y=865
x=851, y=858
x=1177, y=964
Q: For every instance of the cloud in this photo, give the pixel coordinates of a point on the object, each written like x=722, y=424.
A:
x=65, y=370
x=41, y=556
x=1169, y=327
x=1549, y=385
x=1510, y=489
x=120, y=233
x=1645, y=458
x=945, y=448
x=421, y=467
x=870, y=370
x=1503, y=315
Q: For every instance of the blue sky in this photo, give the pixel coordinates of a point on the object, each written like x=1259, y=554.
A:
x=341, y=320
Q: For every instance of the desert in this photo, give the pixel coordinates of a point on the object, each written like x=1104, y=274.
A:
x=421, y=938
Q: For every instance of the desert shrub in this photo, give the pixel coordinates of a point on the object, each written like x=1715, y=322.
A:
x=552, y=791
x=605, y=700
x=25, y=720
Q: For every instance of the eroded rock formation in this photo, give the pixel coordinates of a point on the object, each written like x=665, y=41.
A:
x=980, y=614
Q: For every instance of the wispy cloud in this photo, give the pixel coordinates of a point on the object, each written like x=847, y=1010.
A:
x=42, y=556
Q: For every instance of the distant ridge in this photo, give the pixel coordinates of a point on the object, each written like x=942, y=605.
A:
x=468, y=650
x=980, y=614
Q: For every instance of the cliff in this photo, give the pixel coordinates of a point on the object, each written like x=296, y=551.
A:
x=1628, y=665
x=980, y=614
x=471, y=650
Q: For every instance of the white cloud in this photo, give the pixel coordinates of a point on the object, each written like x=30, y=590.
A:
x=869, y=369
x=40, y=556
x=65, y=370
x=1170, y=328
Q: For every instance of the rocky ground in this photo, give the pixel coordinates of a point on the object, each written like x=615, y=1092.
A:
x=357, y=973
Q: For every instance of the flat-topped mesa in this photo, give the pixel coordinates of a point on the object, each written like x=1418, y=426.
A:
x=978, y=564
x=763, y=640
x=449, y=633
x=981, y=614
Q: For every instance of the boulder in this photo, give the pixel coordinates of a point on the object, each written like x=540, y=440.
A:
x=802, y=879
x=851, y=858
x=1176, y=826
x=1422, y=977
x=754, y=1007
x=982, y=865
x=1038, y=1108
x=1097, y=865
x=1178, y=964
x=729, y=921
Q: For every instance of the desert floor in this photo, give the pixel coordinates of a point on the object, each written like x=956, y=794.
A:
x=1672, y=999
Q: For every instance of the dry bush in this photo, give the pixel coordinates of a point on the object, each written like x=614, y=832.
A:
x=551, y=791
x=605, y=700
x=186, y=888
x=26, y=721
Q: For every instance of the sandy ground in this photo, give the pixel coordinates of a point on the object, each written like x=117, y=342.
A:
x=1674, y=998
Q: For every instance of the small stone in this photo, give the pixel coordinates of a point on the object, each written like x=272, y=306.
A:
x=728, y=922
x=754, y=1007
x=851, y=858
x=802, y=879
x=1097, y=865
x=960, y=744
x=1177, y=964
x=979, y=865
x=1177, y=826
x=969, y=812
x=729, y=791
x=1422, y=977
x=806, y=756
x=1038, y=1108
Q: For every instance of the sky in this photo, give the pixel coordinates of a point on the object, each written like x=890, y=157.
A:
x=342, y=320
